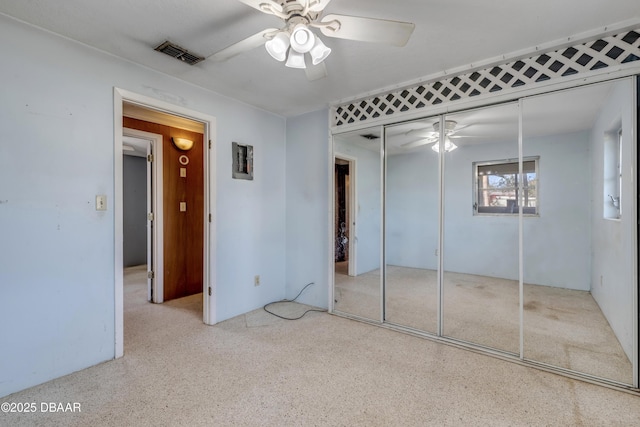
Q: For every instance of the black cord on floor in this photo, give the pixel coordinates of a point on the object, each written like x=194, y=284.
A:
x=291, y=300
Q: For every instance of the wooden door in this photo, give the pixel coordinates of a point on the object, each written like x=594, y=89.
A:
x=183, y=216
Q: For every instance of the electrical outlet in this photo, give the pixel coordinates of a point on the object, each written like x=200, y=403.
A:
x=256, y=280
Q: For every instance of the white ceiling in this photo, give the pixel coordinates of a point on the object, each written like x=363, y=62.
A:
x=448, y=34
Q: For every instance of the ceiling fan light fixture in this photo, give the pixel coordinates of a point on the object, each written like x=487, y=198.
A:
x=302, y=39
x=319, y=52
x=300, y=17
x=278, y=45
x=295, y=59
x=449, y=126
x=448, y=145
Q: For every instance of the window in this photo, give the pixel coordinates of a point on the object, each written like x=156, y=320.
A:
x=498, y=187
x=612, y=174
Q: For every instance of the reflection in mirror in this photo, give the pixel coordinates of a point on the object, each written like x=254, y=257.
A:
x=358, y=223
x=578, y=263
x=481, y=294
x=411, y=224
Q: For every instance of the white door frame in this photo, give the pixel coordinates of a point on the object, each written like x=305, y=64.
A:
x=155, y=238
x=209, y=282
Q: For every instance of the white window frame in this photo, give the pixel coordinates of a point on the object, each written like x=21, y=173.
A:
x=519, y=190
x=612, y=177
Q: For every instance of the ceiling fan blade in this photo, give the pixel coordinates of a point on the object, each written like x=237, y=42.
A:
x=367, y=29
x=416, y=143
x=316, y=72
x=318, y=5
x=266, y=6
x=458, y=129
x=242, y=46
x=422, y=132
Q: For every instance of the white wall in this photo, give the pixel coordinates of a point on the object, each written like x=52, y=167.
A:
x=57, y=251
x=250, y=221
x=557, y=245
x=412, y=203
x=307, y=207
x=368, y=209
x=613, y=240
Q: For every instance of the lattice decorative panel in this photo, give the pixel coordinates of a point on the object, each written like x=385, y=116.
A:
x=595, y=55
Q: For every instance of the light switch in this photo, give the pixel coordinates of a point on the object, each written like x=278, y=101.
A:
x=183, y=206
x=183, y=172
x=101, y=203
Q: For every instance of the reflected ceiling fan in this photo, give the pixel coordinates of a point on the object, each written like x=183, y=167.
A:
x=294, y=40
x=428, y=136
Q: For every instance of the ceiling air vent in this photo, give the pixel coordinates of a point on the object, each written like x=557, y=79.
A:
x=179, y=53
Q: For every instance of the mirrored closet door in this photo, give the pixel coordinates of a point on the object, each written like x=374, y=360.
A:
x=578, y=242
x=511, y=228
x=358, y=223
x=481, y=263
x=412, y=225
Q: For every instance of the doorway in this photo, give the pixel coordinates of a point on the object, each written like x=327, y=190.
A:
x=206, y=201
x=345, y=219
x=179, y=219
x=142, y=209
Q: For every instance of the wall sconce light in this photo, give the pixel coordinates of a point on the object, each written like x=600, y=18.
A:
x=182, y=143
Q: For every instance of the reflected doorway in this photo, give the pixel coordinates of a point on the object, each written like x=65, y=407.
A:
x=344, y=251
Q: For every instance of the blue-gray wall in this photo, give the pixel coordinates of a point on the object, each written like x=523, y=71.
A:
x=57, y=304
x=613, y=241
x=308, y=207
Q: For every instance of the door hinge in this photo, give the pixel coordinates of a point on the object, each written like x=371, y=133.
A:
x=150, y=275
x=150, y=216
x=209, y=144
x=149, y=158
x=209, y=217
x=209, y=290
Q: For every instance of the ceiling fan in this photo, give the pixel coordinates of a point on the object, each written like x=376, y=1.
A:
x=294, y=40
x=428, y=136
